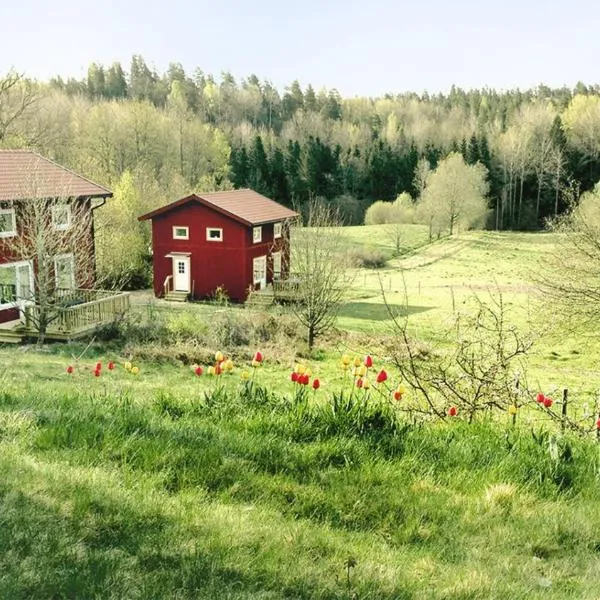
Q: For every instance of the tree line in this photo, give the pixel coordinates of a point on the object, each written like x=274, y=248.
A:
x=156, y=136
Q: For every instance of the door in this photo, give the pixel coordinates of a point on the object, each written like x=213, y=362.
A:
x=276, y=266
x=260, y=272
x=181, y=274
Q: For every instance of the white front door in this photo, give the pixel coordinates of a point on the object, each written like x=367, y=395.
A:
x=181, y=273
x=260, y=271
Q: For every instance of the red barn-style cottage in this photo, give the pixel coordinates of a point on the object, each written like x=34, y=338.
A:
x=235, y=240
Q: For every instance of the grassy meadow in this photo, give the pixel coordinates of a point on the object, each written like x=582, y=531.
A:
x=169, y=485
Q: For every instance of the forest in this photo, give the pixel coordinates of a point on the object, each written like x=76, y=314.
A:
x=153, y=137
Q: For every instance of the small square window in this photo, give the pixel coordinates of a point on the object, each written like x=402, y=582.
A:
x=257, y=234
x=181, y=233
x=277, y=230
x=7, y=222
x=61, y=217
x=214, y=234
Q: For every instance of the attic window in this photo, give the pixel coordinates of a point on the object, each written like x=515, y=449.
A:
x=214, y=234
x=7, y=222
x=257, y=234
x=277, y=230
x=61, y=217
x=181, y=233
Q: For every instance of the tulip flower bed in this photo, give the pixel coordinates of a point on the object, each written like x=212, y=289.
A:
x=243, y=479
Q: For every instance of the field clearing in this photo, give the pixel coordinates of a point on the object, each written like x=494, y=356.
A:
x=168, y=485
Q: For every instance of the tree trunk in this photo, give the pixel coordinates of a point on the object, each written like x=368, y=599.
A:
x=311, y=337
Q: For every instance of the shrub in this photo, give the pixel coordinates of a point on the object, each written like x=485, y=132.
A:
x=367, y=258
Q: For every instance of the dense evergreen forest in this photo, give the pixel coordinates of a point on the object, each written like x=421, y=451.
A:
x=153, y=137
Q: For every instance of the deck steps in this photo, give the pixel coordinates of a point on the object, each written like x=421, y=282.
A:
x=176, y=296
x=10, y=337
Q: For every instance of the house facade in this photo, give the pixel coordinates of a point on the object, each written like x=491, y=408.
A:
x=46, y=208
x=234, y=240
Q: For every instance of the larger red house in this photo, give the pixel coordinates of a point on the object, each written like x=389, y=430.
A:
x=234, y=240
x=63, y=197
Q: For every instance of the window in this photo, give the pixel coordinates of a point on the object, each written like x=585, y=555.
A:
x=214, y=234
x=181, y=267
x=7, y=222
x=61, y=217
x=15, y=282
x=181, y=233
x=64, y=271
x=276, y=265
x=257, y=234
x=277, y=230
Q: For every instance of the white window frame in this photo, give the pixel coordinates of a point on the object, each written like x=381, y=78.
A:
x=277, y=229
x=212, y=239
x=71, y=259
x=257, y=234
x=13, y=232
x=17, y=266
x=277, y=274
x=186, y=236
x=61, y=226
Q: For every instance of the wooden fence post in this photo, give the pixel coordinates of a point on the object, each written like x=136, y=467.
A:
x=565, y=400
x=514, y=415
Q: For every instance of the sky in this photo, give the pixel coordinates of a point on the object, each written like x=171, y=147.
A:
x=361, y=48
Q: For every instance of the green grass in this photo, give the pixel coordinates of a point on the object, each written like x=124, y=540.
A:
x=119, y=487
x=162, y=485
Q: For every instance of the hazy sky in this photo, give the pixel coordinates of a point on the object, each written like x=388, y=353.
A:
x=365, y=47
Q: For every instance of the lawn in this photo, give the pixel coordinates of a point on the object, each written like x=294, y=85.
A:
x=169, y=485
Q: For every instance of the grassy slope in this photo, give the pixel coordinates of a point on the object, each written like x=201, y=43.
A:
x=132, y=487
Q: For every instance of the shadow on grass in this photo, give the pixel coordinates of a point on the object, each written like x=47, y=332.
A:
x=376, y=311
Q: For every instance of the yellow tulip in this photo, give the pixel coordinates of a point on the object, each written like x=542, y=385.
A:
x=245, y=375
x=357, y=361
x=211, y=370
x=401, y=389
x=362, y=370
x=366, y=385
x=228, y=365
x=345, y=360
x=219, y=356
x=127, y=366
x=344, y=366
x=512, y=409
x=135, y=370
x=300, y=369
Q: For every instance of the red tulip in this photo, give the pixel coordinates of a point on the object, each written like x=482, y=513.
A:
x=598, y=424
x=218, y=369
x=548, y=402
x=69, y=370
x=397, y=396
x=198, y=371
x=96, y=373
x=305, y=379
x=294, y=377
x=452, y=411
x=98, y=366
x=111, y=365
x=316, y=384
x=368, y=362
x=258, y=357
x=381, y=376
x=540, y=398
x=359, y=382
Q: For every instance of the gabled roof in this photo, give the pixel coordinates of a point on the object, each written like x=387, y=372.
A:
x=25, y=174
x=246, y=206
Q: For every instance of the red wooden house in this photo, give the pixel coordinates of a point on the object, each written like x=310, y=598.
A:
x=63, y=203
x=235, y=240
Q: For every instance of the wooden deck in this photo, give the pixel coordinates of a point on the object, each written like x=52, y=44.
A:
x=282, y=291
x=80, y=313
